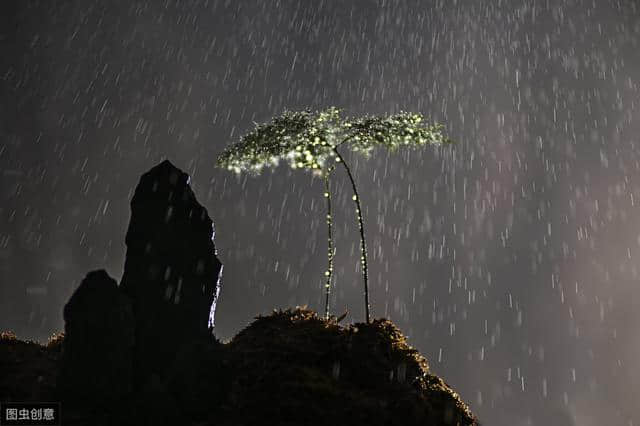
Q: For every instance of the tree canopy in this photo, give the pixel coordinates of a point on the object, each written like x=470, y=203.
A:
x=307, y=140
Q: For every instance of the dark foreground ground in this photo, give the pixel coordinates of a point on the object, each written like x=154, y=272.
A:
x=290, y=367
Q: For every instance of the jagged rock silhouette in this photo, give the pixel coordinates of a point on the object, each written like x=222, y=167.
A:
x=171, y=271
x=98, y=348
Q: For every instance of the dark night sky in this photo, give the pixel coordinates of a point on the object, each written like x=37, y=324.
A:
x=510, y=260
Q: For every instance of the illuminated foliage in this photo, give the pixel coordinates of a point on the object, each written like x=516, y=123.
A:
x=303, y=139
x=310, y=140
x=307, y=140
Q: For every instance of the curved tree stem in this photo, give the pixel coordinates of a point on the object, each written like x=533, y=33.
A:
x=329, y=273
x=363, y=245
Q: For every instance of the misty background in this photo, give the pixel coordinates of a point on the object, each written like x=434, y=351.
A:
x=510, y=260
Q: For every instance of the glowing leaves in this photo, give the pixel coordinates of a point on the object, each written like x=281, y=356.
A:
x=393, y=132
x=304, y=139
x=307, y=140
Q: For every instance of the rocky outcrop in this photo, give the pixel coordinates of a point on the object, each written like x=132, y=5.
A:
x=98, y=344
x=143, y=352
x=288, y=368
x=171, y=271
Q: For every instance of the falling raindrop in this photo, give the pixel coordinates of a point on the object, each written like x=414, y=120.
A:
x=335, y=372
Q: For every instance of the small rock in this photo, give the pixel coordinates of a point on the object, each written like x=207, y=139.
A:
x=98, y=344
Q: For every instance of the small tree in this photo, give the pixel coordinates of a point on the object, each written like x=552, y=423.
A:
x=310, y=140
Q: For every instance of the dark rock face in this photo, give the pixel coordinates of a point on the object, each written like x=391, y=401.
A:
x=98, y=344
x=199, y=379
x=171, y=271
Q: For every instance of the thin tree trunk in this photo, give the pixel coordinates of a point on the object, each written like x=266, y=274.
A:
x=329, y=273
x=363, y=245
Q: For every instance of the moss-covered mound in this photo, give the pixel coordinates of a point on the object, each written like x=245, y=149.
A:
x=290, y=367
x=297, y=368
x=28, y=369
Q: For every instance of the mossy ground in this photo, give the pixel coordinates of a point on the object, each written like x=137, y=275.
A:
x=290, y=367
x=28, y=369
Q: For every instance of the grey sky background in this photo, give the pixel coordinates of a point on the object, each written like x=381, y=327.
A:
x=509, y=260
